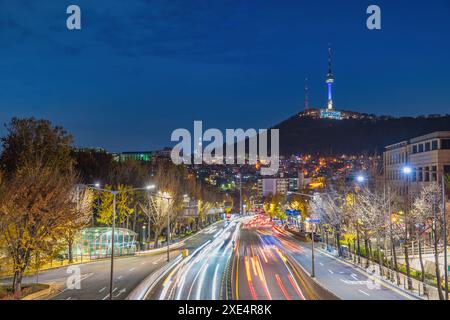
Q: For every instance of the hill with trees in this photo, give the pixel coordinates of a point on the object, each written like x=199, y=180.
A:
x=353, y=136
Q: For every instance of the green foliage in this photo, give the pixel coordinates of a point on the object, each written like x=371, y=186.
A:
x=124, y=204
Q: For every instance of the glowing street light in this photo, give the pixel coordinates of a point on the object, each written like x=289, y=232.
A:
x=407, y=170
x=360, y=178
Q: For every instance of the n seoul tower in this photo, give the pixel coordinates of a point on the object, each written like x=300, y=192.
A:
x=329, y=81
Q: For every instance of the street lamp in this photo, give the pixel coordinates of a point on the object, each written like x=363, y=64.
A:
x=360, y=178
x=444, y=222
x=407, y=172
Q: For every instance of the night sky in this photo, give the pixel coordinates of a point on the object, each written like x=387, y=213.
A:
x=139, y=69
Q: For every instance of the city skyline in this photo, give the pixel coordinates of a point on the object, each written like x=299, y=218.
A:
x=116, y=82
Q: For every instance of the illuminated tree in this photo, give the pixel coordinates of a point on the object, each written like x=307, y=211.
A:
x=424, y=215
x=82, y=200
x=35, y=208
x=124, y=204
x=330, y=207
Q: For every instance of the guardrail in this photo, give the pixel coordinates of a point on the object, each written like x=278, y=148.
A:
x=226, y=289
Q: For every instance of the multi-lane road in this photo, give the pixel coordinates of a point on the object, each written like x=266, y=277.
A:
x=129, y=272
x=244, y=259
x=260, y=267
x=200, y=275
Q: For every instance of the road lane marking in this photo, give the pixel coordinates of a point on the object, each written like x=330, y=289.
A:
x=157, y=260
x=69, y=298
x=119, y=277
x=321, y=264
x=330, y=271
x=101, y=290
x=120, y=292
x=354, y=276
x=131, y=270
x=363, y=292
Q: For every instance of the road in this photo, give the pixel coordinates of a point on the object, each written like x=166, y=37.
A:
x=344, y=280
x=128, y=272
x=199, y=276
x=261, y=270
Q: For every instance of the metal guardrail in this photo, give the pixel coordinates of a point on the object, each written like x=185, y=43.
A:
x=226, y=286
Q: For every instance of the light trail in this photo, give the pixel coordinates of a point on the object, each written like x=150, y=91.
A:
x=201, y=280
x=282, y=287
x=214, y=286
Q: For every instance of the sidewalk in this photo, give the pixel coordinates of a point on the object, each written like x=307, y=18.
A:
x=346, y=279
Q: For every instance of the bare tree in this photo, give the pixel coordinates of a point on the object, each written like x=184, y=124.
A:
x=425, y=214
x=330, y=206
x=370, y=212
x=82, y=200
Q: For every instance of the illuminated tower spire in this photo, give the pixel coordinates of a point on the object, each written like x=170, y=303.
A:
x=306, y=95
x=330, y=81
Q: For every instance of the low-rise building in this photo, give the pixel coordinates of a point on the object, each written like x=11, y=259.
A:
x=428, y=156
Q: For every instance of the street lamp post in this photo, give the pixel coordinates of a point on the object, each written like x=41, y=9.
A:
x=168, y=230
x=111, y=279
x=114, y=194
x=444, y=222
x=407, y=171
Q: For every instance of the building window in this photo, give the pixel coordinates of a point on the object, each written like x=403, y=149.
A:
x=434, y=145
x=447, y=169
x=421, y=147
x=445, y=144
x=420, y=178
x=427, y=146
x=414, y=175
x=414, y=149
x=427, y=174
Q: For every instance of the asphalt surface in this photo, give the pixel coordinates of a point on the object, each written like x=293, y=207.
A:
x=93, y=283
x=199, y=275
x=345, y=281
x=260, y=268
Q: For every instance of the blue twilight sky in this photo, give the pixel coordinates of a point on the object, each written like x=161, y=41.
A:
x=139, y=69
